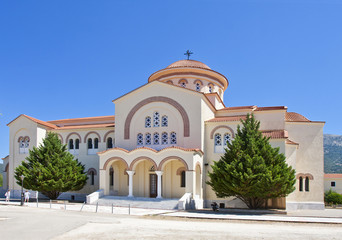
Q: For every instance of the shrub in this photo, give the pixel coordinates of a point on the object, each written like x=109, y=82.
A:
x=332, y=197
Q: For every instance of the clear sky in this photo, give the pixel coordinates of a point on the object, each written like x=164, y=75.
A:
x=67, y=59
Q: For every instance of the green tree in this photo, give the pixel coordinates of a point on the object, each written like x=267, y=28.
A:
x=331, y=197
x=251, y=169
x=51, y=169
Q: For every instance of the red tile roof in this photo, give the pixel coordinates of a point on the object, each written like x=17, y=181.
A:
x=333, y=175
x=275, y=134
x=228, y=119
x=188, y=63
x=271, y=108
x=238, y=108
x=153, y=150
x=288, y=141
x=295, y=117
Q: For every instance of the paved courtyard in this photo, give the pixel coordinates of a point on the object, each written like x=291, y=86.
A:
x=44, y=223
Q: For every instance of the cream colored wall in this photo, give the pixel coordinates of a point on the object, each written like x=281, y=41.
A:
x=190, y=101
x=171, y=187
x=309, y=158
x=338, y=184
x=141, y=179
x=271, y=120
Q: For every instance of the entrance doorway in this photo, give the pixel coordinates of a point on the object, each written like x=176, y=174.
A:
x=153, y=185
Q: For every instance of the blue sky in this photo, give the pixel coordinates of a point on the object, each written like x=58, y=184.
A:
x=67, y=59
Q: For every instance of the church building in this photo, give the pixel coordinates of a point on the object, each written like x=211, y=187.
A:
x=166, y=134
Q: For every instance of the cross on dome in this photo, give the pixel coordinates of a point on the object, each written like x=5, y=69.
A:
x=188, y=53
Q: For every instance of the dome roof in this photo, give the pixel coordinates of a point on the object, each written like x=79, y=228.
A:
x=188, y=63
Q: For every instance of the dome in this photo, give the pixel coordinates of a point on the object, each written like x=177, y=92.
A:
x=188, y=63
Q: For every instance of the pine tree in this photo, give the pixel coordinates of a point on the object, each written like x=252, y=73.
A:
x=251, y=169
x=51, y=169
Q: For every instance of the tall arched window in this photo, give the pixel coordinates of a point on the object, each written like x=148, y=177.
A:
x=96, y=143
x=109, y=142
x=90, y=143
x=148, y=140
x=165, y=139
x=77, y=144
x=156, y=119
x=164, y=121
x=226, y=138
x=156, y=138
x=218, y=141
x=111, y=176
x=307, y=184
x=147, y=122
x=71, y=144
x=140, y=139
x=182, y=178
x=210, y=89
x=300, y=184
x=173, y=138
x=92, y=178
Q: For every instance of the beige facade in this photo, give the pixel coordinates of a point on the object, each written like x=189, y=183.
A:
x=166, y=134
x=333, y=181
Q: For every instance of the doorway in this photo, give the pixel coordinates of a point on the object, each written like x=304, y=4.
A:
x=153, y=185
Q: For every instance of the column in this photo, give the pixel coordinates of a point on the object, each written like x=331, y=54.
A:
x=190, y=182
x=159, y=183
x=130, y=183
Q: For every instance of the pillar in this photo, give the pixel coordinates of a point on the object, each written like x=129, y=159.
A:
x=159, y=183
x=190, y=182
x=130, y=183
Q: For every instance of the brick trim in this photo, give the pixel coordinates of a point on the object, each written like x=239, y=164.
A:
x=304, y=175
x=67, y=138
x=106, y=135
x=138, y=159
x=60, y=137
x=181, y=110
x=114, y=159
x=169, y=82
x=179, y=170
x=198, y=81
x=172, y=158
x=221, y=126
x=92, y=170
x=98, y=135
x=183, y=80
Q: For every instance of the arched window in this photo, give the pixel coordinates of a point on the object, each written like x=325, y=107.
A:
x=96, y=143
x=148, y=140
x=210, y=89
x=77, y=144
x=147, y=122
x=173, y=138
x=226, y=138
x=21, y=145
x=198, y=87
x=182, y=175
x=165, y=139
x=109, y=142
x=164, y=121
x=300, y=184
x=139, y=139
x=307, y=184
x=90, y=143
x=27, y=142
x=111, y=176
x=156, y=138
x=218, y=141
x=156, y=120
x=71, y=144
x=92, y=178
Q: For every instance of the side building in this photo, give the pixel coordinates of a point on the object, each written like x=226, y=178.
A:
x=165, y=136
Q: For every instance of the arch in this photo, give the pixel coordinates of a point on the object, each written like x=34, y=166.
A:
x=21, y=138
x=211, y=84
x=169, y=82
x=142, y=158
x=114, y=159
x=6, y=168
x=92, y=170
x=27, y=138
x=221, y=126
x=309, y=175
x=182, y=80
x=106, y=135
x=172, y=158
x=78, y=135
x=199, y=165
x=60, y=136
x=304, y=175
x=180, y=170
x=96, y=133
x=198, y=81
x=181, y=110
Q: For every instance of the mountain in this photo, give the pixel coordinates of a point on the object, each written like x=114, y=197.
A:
x=332, y=153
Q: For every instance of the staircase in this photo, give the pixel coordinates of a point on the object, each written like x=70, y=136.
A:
x=139, y=202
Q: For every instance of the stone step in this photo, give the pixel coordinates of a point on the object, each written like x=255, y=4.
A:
x=139, y=202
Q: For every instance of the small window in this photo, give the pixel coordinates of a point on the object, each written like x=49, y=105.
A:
x=139, y=139
x=77, y=144
x=173, y=138
x=147, y=122
x=27, y=142
x=183, y=179
x=198, y=87
x=92, y=178
x=165, y=138
x=109, y=142
x=226, y=138
x=71, y=144
x=90, y=143
x=148, y=140
x=300, y=184
x=333, y=184
x=156, y=138
x=307, y=184
x=210, y=89
x=164, y=121
x=96, y=143
x=156, y=120
x=183, y=84
x=218, y=141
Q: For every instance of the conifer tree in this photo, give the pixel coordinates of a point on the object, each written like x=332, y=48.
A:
x=251, y=169
x=51, y=169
